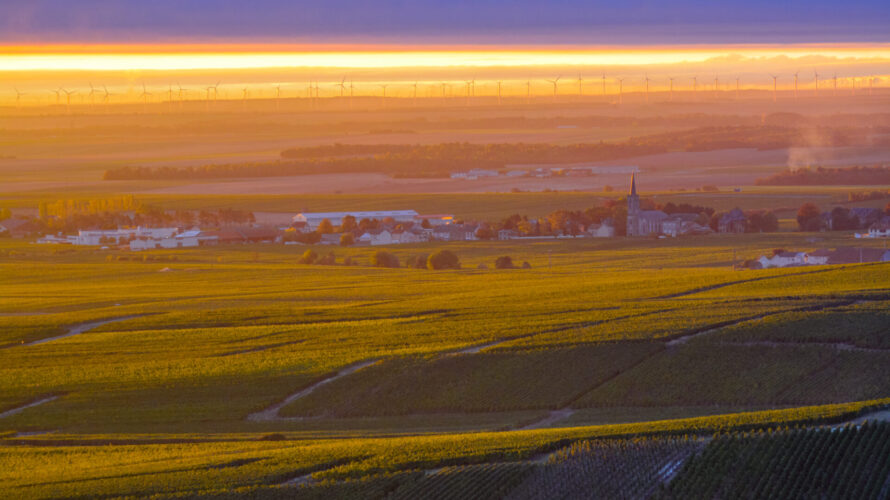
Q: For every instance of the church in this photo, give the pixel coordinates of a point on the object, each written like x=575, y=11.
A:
x=641, y=222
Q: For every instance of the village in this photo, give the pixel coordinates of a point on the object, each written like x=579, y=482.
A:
x=154, y=229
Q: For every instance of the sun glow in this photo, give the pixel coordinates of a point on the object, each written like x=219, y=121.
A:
x=169, y=59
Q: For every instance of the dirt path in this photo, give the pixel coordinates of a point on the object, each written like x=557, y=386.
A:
x=84, y=327
x=271, y=414
x=707, y=330
x=15, y=411
x=552, y=418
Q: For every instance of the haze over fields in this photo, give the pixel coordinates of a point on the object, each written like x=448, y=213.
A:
x=450, y=250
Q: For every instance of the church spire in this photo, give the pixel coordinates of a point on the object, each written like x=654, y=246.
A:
x=633, y=184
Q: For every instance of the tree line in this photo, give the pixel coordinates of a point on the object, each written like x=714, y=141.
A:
x=821, y=176
x=439, y=160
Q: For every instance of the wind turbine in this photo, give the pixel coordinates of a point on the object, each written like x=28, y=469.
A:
x=18, y=96
x=835, y=85
x=795, y=83
x=737, y=88
x=468, y=83
x=671, y=97
x=277, y=97
x=351, y=92
x=555, y=88
x=716, y=86
x=694, y=87
x=342, y=86
x=499, y=92
x=647, y=89
x=106, y=94
x=383, y=86
x=68, y=95
x=604, y=86
x=58, y=92
x=244, y=94
x=92, y=93
x=528, y=91
x=145, y=94
x=775, y=78
x=816, y=92
x=580, y=88
x=414, y=100
x=620, y=89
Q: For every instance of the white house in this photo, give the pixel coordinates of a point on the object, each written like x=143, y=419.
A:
x=100, y=237
x=313, y=219
x=783, y=259
x=880, y=229
x=603, y=230
x=377, y=237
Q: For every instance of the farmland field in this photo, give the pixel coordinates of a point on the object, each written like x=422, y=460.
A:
x=597, y=339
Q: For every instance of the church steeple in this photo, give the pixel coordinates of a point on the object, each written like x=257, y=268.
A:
x=633, y=208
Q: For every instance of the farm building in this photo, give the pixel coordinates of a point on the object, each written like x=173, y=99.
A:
x=732, y=222
x=313, y=219
x=119, y=236
x=880, y=229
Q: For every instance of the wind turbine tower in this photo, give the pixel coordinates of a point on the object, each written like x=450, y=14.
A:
x=580, y=88
x=499, y=92
x=795, y=83
x=816, y=91
x=736, y=88
x=834, y=93
x=775, y=86
x=620, y=89
x=716, y=86
x=671, y=95
x=383, y=86
x=555, y=87
x=647, y=89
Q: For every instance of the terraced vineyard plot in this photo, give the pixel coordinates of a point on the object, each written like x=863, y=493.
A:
x=850, y=376
x=467, y=482
x=861, y=325
x=701, y=374
x=607, y=469
x=498, y=380
x=851, y=462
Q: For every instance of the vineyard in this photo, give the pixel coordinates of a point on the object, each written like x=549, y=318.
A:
x=607, y=469
x=844, y=462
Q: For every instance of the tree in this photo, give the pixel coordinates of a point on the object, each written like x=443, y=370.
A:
x=325, y=227
x=328, y=260
x=5, y=213
x=308, y=257
x=761, y=222
x=809, y=218
x=426, y=223
x=348, y=224
x=443, y=259
x=484, y=232
x=841, y=220
x=384, y=259
x=504, y=262
x=417, y=261
x=887, y=209
x=346, y=239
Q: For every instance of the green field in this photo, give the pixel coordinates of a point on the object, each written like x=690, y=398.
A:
x=626, y=338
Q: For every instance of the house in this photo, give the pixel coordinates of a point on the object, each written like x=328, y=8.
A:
x=313, y=219
x=122, y=236
x=604, y=230
x=301, y=227
x=733, y=222
x=455, y=232
x=507, y=234
x=818, y=257
x=19, y=228
x=679, y=224
x=783, y=259
x=377, y=237
x=880, y=229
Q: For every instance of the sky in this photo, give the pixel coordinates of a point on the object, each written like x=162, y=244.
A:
x=260, y=44
x=635, y=22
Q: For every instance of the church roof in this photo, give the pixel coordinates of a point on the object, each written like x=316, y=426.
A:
x=633, y=184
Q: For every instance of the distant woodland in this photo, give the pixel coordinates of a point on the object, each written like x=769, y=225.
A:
x=821, y=176
x=438, y=160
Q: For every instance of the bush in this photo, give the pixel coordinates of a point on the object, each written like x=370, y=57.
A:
x=308, y=257
x=346, y=239
x=328, y=260
x=417, y=261
x=443, y=259
x=526, y=265
x=384, y=259
x=504, y=262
